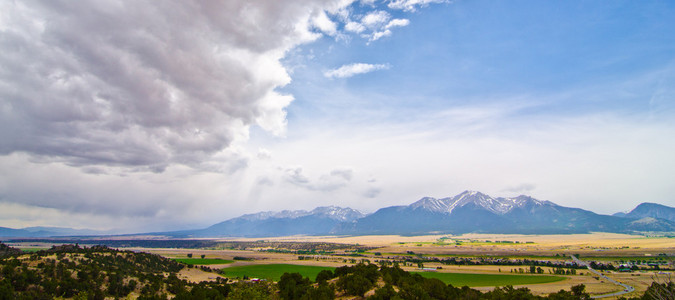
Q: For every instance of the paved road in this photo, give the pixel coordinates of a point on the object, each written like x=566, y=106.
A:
x=627, y=288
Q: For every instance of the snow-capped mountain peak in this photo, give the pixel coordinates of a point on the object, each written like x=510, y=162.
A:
x=476, y=198
x=332, y=212
x=431, y=204
x=337, y=213
x=495, y=205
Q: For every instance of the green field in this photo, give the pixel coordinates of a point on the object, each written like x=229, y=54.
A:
x=273, y=271
x=462, y=279
x=204, y=261
x=31, y=250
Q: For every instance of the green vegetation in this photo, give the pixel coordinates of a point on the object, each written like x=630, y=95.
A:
x=462, y=279
x=73, y=272
x=272, y=271
x=626, y=258
x=203, y=261
x=97, y=272
x=31, y=250
x=512, y=256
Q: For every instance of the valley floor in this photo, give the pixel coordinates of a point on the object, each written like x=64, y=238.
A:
x=601, y=247
x=650, y=257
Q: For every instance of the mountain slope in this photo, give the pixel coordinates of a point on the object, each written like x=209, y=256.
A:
x=321, y=220
x=46, y=232
x=652, y=210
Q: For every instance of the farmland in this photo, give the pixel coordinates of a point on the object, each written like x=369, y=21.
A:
x=541, y=263
x=475, y=280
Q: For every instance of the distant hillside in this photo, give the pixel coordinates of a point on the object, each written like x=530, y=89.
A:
x=652, y=210
x=10, y=232
x=46, y=232
x=316, y=222
x=468, y=212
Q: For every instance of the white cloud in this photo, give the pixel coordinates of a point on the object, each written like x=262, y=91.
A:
x=375, y=19
x=411, y=5
x=323, y=23
x=379, y=34
x=397, y=23
x=354, y=69
x=378, y=23
x=354, y=27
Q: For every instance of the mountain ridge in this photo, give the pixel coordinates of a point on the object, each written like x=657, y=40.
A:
x=652, y=210
x=469, y=211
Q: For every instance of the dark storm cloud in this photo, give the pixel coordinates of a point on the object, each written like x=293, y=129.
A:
x=143, y=84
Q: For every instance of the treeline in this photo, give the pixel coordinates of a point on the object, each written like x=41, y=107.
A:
x=293, y=247
x=468, y=261
x=8, y=251
x=391, y=282
x=185, y=244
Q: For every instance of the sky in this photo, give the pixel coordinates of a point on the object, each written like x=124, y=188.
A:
x=140, y=116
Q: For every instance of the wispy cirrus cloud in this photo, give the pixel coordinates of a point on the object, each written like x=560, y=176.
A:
x=412, y=5
x=354, y=69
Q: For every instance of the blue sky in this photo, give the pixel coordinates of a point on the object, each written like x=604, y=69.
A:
x=475, y=51
x=140, y=116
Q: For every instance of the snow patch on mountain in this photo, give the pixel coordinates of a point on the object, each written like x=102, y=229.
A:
x=495, y=205
x=431, y=204
x=332, y=212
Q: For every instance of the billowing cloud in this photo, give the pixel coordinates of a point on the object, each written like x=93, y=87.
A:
x=375, y=19
x=136, y=115
x=146, y=84
x=324, y=23
x=354, y=69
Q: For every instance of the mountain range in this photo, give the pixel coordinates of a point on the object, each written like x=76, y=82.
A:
x=319, y=221
x=468, y=212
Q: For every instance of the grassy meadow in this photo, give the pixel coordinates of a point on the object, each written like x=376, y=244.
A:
x=474, y=280
x=274, y=272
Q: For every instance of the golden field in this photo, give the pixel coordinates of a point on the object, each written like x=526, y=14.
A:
x=606, y=247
